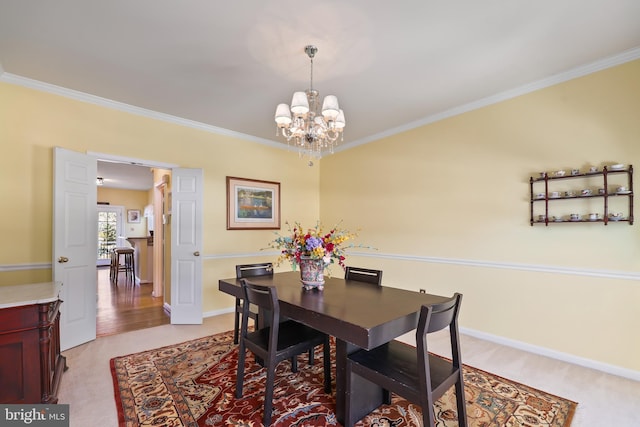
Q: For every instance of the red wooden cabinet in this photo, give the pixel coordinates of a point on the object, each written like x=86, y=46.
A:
x=30, y=361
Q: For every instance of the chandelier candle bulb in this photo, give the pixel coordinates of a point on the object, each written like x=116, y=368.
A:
x=330, y=108
x=299, y=104
x=339, y=122
x=283, y=115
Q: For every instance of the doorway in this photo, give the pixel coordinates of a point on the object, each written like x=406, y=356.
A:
x=75, y=242
x=124, y=305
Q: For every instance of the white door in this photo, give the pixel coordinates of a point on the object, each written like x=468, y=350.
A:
x=186, y=244
x=74, y=245
x=110, y=232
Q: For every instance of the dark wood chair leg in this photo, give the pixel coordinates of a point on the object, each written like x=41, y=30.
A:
x=326, y=348
x=268, y=395
x=236, y=323
x=240, y=372
x=461, y=403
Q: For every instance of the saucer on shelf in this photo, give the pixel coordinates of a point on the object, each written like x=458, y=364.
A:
x=617, y=167
x=623, y=192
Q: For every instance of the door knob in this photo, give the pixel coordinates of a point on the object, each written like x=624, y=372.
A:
x=196, y=253
x=63, y=259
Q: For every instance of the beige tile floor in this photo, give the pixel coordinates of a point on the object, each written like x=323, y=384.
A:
x=603, y=400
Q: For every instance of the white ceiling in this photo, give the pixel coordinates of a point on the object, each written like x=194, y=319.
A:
x=224, y=65
x=125, y=176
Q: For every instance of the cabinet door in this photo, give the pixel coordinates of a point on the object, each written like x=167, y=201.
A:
x=20, y=367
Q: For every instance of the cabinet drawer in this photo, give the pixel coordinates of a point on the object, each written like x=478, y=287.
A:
x=18, y=318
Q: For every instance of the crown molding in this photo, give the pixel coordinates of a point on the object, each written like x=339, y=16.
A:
x=602, y=64
x=127, y=108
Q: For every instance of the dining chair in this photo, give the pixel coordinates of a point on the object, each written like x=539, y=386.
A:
x=373, y=277
x=279, y=341
x=414, y=373
x=363, y=275
x=244, y=271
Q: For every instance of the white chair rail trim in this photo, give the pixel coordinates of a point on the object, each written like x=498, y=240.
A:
x=609, y=274
x=21, y=267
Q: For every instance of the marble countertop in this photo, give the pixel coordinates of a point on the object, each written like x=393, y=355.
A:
x=33, y=293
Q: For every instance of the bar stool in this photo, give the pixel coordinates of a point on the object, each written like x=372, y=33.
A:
x=122, y=260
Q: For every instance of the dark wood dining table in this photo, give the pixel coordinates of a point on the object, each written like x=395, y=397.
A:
x=359, y=315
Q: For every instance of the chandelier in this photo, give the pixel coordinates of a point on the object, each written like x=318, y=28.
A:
x=300, y=124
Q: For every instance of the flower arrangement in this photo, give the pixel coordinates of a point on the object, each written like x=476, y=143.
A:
x=314, y=243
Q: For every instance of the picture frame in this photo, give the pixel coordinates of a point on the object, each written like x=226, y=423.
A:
x=133, y=216
x=252, y=204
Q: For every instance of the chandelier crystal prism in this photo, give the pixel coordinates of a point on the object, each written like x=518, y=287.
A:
x=300, y=123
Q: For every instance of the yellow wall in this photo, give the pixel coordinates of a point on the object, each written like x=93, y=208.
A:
x=446, y=204
x=130, y=199
x=33, y=122
x=448, y=207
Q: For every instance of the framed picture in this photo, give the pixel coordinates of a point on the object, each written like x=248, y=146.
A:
x=133, y=215
x=252, y=204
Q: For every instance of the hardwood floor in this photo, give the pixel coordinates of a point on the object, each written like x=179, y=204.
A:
x=126, y=307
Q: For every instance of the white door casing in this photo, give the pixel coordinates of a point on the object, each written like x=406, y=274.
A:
x=75, y=244
x=186, y=244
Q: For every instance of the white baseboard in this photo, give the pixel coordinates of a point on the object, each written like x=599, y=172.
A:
x=218, y=312
x=542, y=351
x=565, y=357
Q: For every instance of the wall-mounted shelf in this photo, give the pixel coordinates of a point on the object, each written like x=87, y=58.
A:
x=546, y=190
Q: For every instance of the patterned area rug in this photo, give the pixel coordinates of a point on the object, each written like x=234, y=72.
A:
x=193, y=384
